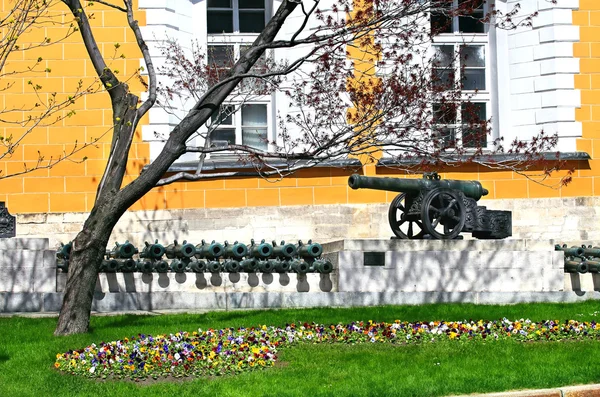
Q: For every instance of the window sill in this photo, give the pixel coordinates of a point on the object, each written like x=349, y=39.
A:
x=567, y=156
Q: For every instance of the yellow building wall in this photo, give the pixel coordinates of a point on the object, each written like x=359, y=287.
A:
x=70, y=186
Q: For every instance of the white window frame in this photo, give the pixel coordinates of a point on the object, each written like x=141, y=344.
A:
x=236, y=16
x=458, y=39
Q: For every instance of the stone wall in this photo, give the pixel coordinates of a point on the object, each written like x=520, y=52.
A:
x=561, y=219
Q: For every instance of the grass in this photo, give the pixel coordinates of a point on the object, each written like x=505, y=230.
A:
x=28, y=351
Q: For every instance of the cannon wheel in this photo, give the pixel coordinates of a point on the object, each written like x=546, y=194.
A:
x=397, y=217
x=443, y=213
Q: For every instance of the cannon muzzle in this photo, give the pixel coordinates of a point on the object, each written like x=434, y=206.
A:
x=284, y=250
x=593, y=266
x=572, y=266
x=322, y=266
x=123, y=251
x=145, y=266
x=178, y=266
x=210, y=251
x=265, y=266
x=152, y=251
x=232, y=266
x=177, y=250
x=64, y=252
x=236, y=250
x=127, y=265
x=249, y=265
x=197, y=266
x=310, y=250
x=161, y=266
x=213, y=266
x=592, y=251
x=573, y=251
x=299, y=266
x=472, y=189
x=109, y=266
x=260, y=251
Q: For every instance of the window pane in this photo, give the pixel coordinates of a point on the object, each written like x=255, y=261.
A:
x=220, y=56
x=443, y=55
x=223, y=135
x=251, y=4
x=473, y=79
x=472, y=56
x=219, y=21
x=254, y=115
x=474, y=136
x=443, y=79
x=444, y=113
x=473, y=112
x=440, y=23
x=252, y=21
x=471, y=24
x=224, y=117
x=219, y=4
x=255, y=137
x=445, y=138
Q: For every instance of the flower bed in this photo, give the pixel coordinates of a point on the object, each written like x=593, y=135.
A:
x=230, y=351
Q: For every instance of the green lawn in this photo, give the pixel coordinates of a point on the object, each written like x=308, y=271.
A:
x=28, y=350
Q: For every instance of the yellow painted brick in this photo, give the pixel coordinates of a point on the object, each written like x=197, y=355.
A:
x=511, y=188
x=75, y=51
x=289, y=181
x=67, y=168
x=46, y=52
x=580, y=186
x=129, y=50
x=296, y=196
x=589, y=34
x=583, y=113
x=45, y=152
x=239, y=183
x=89, y=152
x=116, y=18
x=182, y=199
x=98, y=134
x=584, y=145
x=592, y=168
x=581, y=50
x=594, y=18
x=590, y=97
x=262, y=197
x=85, y=118
x=94, y=167
x=111, y=34
x=61, y=34
x=72, y=84
x=314, y=177
x=596, y=146
x=90, y=199
x=550, y=189
x=151, y=201
x=591, y=129
x=142, y=151
x=46, y=85
x=27, y=203
x=589, y=5
x=65, y=135
x=225, y=198
x=81, y=183
x=11, y=85
x=366, y=196
x=37, y=136
x=581, y=18
x=100, y=100
x=41, y=185
x=12, y=185
x=594, y=50
x=332, y=195
x=67, y=202
x=66, y=68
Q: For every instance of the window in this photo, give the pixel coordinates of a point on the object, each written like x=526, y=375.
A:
x=460, y=59
x=247, y=125
x=235, y=16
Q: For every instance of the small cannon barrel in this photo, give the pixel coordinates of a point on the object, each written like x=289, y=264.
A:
x=178, y=266
x=299, y=266
x=161, y=266
x=284, y=250
x=260, y=251
x=197, y=266
x=572, y=266
x=109, y=266
x=310, y=250
x=127, y=265
x=322, y=266
x=573, y=251
x=232, y=266
x=594, y=251
x=177, y=250
x=265, y=266
x=145, y=266
x=593, y=266
x=472, y=189
x=152, y=251
x=123, y=251
x=64, y=252
x=235, y=250
x=249, y=265
x=210, y=251
x=213, y=266
x=280, y=266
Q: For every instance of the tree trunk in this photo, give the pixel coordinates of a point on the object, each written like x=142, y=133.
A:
x=86, y=257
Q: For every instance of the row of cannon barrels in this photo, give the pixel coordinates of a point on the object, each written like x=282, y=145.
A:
x=583, y=259
x=210, y=258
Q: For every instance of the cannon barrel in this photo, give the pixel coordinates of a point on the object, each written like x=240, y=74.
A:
x=231, y=266
x=210, y=251
x=177, y=250
x=573, y=251
x=127, y=265
x=64, y=252
x=145, y=266
x=178, y=266
x=161, y=266
x=322, y=266
x=299, y=266
x=310, y=250
x=593, y=266
x=265, y=266
x=123, y=251
x=109, y=266
x=197, y=266
x=592, y=251
x=472, y=189
x=152, y=251
x=284, y=250
x=236, y=250
x=213, y=266
x=572, y=266
x=260, y=251
x=249, y=265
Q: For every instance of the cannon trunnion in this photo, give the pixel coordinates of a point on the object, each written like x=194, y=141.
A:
x=441, y=209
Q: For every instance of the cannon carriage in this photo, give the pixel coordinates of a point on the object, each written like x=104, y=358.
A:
x=436, y=208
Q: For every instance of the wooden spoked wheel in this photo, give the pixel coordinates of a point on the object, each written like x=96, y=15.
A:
x=443, y=213
x=403, y=225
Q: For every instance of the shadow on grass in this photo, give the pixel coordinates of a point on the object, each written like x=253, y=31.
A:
x=3, y=358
